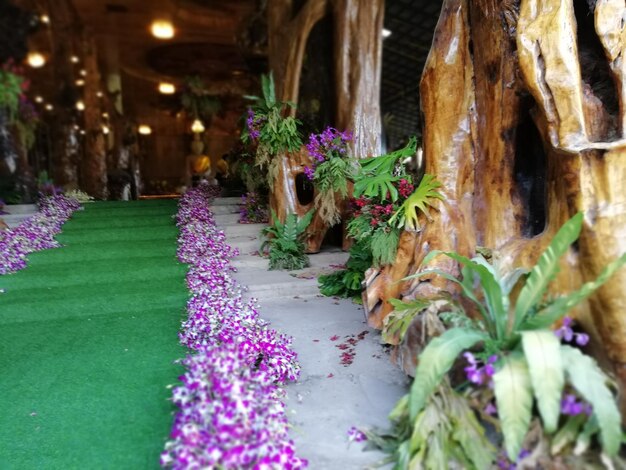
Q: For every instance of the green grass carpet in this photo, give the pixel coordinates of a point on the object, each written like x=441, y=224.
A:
x=88, y=339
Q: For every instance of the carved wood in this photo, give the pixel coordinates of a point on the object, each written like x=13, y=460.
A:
x=94, y=168
x=474, y=99
x=357, y=55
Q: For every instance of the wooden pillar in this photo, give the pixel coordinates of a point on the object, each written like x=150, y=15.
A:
x=94, y=169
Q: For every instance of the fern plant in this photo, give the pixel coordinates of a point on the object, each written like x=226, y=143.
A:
x=196, y=99
x=285, y=242
x=267, y=127
x=533, y=366
x=347, y=282
x=425, y=195
x=12, y=86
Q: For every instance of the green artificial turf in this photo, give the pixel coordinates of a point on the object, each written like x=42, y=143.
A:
x=88, y=340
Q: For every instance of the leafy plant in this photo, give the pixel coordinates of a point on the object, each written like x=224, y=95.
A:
x=444, y=434
x=253, y=209
x=347, y=282
x=533, y=365
x=12, y=85
x=424, y=196
x=378, y=175
x=332, y=168
x=268, y=129
x=196, y=99
x=79, y=196
x=285, y=242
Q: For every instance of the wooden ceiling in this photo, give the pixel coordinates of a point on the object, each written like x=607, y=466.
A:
x=206, y=43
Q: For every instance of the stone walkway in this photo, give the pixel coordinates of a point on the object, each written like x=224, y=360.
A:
x=337, y=390
x=17, y=213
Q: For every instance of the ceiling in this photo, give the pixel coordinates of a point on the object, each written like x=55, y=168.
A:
x=205, y=44
x=412, y=24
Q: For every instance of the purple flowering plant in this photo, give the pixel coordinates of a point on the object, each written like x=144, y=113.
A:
x=231, y=413
x=332, y=168
x=513, y=348
x=36, y=233
x=253, y=209
x=269, y=126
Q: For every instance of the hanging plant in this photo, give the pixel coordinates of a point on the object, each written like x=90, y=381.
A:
x=197, y=101
x=332, y=168
x=26, y=122
x=12, y=87
x=267, y=127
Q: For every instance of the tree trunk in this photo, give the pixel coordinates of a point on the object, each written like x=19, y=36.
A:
x=94, y=166
x=522, y=137
x=357, y=57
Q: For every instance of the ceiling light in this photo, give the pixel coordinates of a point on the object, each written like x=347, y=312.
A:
x=74, y=59
x=82, y=132
x=145, y=129
x=80, y=82
x=99, y=94
x=36, y=60
x=49, y=107
x=45, y=19
x=105, y=115
x=76, y=127
x=167, y=88
x=105, y=130
x=197, y=127
x=162, y=29
x=83, y=73
x=386, y=33
x=80, y=105
x=38, y=99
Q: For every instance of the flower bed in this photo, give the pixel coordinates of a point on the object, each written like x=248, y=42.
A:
x=230, y=411
x=35, y=233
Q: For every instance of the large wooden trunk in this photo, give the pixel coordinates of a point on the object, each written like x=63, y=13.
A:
x=522, y=130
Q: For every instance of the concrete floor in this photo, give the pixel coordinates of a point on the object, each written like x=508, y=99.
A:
x=335, y=391
x=17, y=213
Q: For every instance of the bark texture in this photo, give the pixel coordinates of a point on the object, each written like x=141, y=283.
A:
x=522, y=137
x=357, y=58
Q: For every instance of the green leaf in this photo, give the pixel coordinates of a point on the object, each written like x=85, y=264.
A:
x=512, y=389
x=567, y=434
x=543, y=351
x=435, y=361
x=560, y=306
x=496, y=313
x=423, y=196
x=589, y=380
x=396, y=324
x=546, y=268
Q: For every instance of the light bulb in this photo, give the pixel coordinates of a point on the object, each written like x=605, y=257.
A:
x=162, y=29
x=144, y=129
x=36, y=60
x=167, y=88
x=197, y=127
x=80, y=105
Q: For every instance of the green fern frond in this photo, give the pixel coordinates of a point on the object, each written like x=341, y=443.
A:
x=422, y=198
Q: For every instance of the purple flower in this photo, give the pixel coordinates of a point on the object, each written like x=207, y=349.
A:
x=309, y=172
x=230, y=410
x=355, y=435
x=476, y=372
x=490, y=409
x=35, y=233
x=566, y=333
x=329, y=144
x=571, y=406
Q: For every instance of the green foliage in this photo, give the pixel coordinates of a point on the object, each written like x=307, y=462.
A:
x=376, y=176
x=512, y=388
x=424, y=196
x=331, y=177
x=396, y=324
x=10, y=91
x=542, y=350
x=197, y=101
x=285, y=242
x=347, y=282
x=384, y=245
x=511, y=330
x=267, y=126
x=444, y=434
x=589, y=380
x=435, y=362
